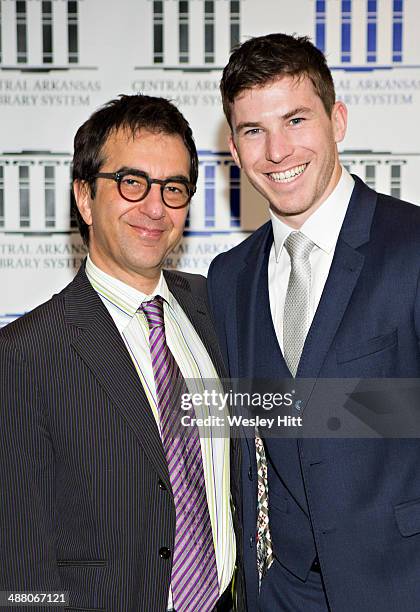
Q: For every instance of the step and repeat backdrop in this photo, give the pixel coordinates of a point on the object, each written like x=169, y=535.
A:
x=60, y=60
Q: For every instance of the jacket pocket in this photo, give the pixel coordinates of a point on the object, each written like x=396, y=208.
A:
x=82, y=562
x=369, y=347
x=79, y=577
x=407, y=516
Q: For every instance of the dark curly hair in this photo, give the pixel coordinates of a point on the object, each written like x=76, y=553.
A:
x=131, y=113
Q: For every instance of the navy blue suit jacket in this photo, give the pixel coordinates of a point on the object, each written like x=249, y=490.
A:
x=360, y=498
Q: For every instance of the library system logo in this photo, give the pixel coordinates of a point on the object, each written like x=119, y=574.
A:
x=216, y=207
x=366, y=35
x=35, y=193
x=356, y=35
x=40, y=36
x=385, y=171
x=189, y=35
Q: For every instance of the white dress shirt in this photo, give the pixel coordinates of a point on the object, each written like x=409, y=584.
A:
x=123, y=301
x=323, y=228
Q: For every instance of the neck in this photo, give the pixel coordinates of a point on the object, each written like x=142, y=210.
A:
x=145, y=283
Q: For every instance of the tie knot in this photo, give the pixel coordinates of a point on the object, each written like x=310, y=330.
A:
x=153, y=311
x=298, y=246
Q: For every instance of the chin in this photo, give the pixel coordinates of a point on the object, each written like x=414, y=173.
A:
x=288, y=209
x=149, y=264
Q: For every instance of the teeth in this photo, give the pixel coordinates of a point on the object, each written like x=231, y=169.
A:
x=289, y=175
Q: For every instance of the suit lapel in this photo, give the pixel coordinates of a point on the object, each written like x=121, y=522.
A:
x=102, y=349
x=342, y=279
x=259, y=353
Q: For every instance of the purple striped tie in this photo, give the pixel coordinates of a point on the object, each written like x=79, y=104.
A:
x=194, y=572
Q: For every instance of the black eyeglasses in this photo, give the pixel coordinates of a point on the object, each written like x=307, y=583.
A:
x=134, y=187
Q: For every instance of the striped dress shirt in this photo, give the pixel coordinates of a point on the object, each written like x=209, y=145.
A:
x=123, y=301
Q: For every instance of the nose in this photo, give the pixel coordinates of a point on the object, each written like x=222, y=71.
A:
x=152, y=205
x=278, y=147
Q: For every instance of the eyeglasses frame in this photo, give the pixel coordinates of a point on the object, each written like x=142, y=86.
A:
x=118, y=177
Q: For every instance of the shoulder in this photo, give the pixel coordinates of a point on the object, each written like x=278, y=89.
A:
x=394, y=207
x=385, y=206
x=195, y=283
x=185, y=280
x=231, y=261
x=38, y=328
x=397, y=220
x=390, y=223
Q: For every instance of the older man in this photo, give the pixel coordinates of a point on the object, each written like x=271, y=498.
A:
x=103, y=495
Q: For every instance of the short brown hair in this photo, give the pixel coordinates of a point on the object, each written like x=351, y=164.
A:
x=263, y=59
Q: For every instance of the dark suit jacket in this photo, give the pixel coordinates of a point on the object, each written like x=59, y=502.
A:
x=86, y=501
x=355, y=503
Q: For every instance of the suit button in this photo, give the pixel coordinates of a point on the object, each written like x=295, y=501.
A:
x=164, y=553
x=250, y=473
x=251, y=541
x=162, y=485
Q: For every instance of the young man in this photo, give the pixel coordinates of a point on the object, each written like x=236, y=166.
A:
x=328, y=288
x=103, y=496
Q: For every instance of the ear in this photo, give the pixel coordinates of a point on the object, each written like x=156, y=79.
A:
x=234, y=151
x=339, y=121
x=83, y=199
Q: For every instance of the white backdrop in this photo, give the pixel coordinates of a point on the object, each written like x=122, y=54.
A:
x=59, y=60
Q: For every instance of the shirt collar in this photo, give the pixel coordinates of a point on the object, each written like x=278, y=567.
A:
x=324, y=225
x=123, y=296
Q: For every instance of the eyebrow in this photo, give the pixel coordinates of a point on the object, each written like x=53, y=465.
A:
x=255, y=124
x=136, y=171
x=297, y=111
x=247, y=124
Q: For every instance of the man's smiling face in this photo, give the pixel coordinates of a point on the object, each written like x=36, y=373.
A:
x=130, y=240
x=286, y=144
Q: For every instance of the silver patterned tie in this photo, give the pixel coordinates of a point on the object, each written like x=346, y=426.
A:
x=296, y=318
